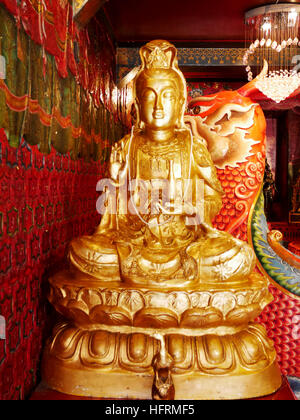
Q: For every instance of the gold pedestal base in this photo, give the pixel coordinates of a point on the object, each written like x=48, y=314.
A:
x=121, y=385
x=103, y=364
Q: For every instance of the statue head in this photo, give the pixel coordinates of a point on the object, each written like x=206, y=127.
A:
x=160, y=88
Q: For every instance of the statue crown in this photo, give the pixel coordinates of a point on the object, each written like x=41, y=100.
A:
x=158, y=55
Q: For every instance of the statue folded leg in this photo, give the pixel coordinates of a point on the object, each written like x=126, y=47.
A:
x=222, y=258
x=219, y=257
x=97, y=256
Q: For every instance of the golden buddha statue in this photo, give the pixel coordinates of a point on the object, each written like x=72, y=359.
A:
x=157, y=288
x=159, y=247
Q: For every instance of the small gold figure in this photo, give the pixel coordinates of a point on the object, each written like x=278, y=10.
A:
x=163, y=385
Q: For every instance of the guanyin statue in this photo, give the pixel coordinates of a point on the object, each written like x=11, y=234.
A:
x=158, y=303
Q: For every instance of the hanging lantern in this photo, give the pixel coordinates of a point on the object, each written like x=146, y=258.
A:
x=272, y=32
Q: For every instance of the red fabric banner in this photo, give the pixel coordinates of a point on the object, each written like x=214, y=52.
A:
x=50, y=24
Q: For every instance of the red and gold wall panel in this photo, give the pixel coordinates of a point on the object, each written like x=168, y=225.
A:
x=45, y=201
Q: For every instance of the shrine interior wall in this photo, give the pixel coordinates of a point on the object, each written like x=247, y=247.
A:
x=57, y=124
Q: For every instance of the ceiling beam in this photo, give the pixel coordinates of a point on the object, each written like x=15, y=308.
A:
x=84, y=10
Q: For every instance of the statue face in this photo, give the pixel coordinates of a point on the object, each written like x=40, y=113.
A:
x=158, y=101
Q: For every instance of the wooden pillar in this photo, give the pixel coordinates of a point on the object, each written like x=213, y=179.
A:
x=84, y=10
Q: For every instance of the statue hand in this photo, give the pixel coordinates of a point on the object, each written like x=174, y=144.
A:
x=186, y=209
x=117, y=164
